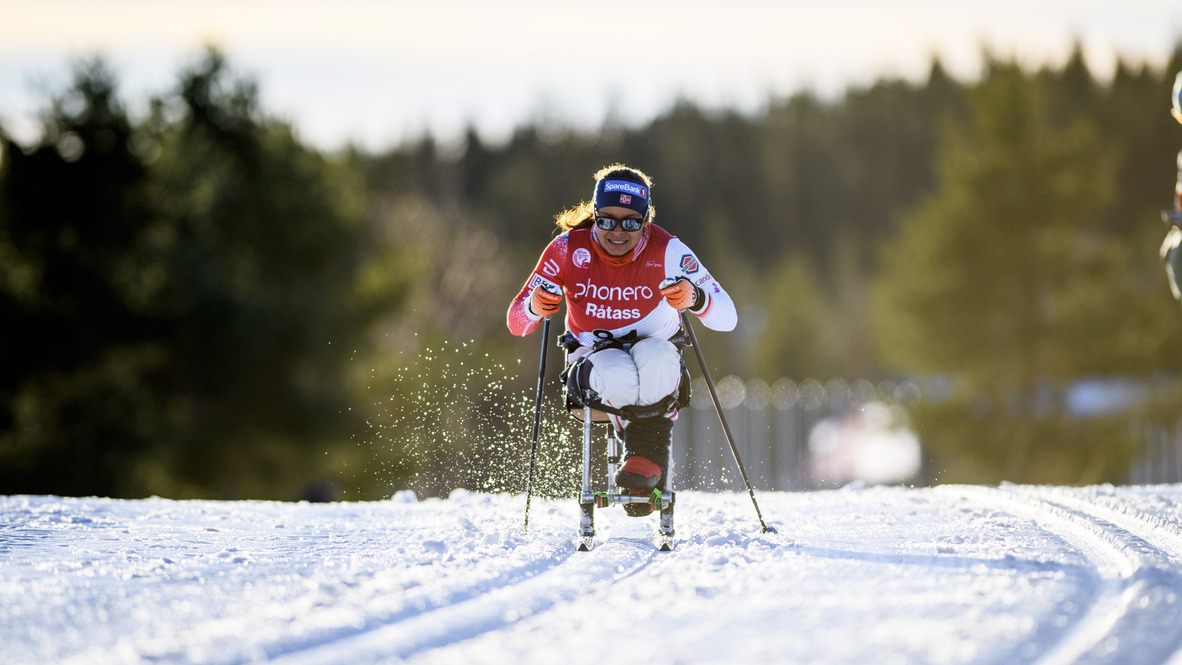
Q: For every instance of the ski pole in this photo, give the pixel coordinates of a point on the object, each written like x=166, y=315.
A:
x=533, y=451
x=689, y=330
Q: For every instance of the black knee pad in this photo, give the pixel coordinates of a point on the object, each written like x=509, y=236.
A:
x=578, y=384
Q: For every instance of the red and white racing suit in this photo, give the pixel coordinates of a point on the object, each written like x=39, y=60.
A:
x=610, y=296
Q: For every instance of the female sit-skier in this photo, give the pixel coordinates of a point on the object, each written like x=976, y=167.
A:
x=626, y=282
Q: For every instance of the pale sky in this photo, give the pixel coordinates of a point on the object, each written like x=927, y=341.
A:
x=378, y=73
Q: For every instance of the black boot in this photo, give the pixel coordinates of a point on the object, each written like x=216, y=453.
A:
x=647, y=442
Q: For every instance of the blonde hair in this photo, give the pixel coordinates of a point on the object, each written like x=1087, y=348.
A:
x=579, y=217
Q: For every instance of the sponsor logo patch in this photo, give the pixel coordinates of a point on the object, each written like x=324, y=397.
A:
x=550, y=268
x=590, y=290
x=582, y=257
x=608, y=312
x=626, y=187
x=689, y=265
x=538, y=279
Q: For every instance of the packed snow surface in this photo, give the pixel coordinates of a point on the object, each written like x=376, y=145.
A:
x=952, y=574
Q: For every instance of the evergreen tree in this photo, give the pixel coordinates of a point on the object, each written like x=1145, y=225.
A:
x=260, y=239
x=1005, y=280
x=80, y=366
x=170, y=293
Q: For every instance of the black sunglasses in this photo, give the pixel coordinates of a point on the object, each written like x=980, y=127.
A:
x=609, y=223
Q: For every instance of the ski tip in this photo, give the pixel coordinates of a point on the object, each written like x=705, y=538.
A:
x=584, y=546
x=666, y=547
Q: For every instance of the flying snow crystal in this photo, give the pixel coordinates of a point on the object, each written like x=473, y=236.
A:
x=449, y=419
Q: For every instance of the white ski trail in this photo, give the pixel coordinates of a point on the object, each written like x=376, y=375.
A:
x=577, y=575
x=1133, y=617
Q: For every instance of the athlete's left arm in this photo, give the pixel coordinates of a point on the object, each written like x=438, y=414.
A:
x=718, y=310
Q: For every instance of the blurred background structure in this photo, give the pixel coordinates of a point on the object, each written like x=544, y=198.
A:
x=217, y=282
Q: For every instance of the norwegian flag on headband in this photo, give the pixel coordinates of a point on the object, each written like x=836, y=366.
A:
x=625, y=199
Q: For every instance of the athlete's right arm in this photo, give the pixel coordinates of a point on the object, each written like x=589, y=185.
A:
x=547, y=274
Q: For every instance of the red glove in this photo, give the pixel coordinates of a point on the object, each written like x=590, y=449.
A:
x=681, y=294
x=543, y=302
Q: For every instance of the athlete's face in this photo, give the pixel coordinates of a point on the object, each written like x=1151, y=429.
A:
x=617, y=241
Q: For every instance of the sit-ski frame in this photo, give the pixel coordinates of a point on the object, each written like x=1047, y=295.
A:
x=662, y=497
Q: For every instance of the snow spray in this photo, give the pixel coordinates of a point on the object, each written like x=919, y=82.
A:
x=454, y=417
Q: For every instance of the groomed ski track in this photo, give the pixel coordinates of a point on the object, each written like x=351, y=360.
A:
x=952, y=574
